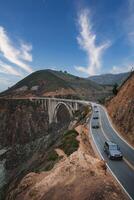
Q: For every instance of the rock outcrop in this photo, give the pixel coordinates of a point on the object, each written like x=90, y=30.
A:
x=25, y=139
x=79, y=176
x=21, y=122
x=43, y=162
x=121, y=109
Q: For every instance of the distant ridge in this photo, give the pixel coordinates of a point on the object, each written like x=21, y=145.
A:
x=109, y=79
x=127, y=78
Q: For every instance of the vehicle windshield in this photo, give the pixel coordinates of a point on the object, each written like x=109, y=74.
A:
x=113, y=147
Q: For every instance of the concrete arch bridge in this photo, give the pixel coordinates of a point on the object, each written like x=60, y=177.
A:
x=52, y=105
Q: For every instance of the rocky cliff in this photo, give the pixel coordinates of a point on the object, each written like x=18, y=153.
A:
x=76, y=176
x=43, y=162
x=25, y=139
x=121, y=109
x=21, y=122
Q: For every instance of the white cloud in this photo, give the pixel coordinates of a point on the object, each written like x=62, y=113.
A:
x=17, y=56
x=7, y=69
x=87, y=41
x=117, y=69
x=5, y=82
x=25, y=54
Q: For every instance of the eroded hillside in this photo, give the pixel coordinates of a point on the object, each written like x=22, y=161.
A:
x=121, y=109
x=50, y=162
x=26, y=138
x=79, y=176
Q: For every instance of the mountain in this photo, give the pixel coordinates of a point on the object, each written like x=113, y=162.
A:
x=121, y=109
x=57, y=84
x=109, y=79
x=39, y=160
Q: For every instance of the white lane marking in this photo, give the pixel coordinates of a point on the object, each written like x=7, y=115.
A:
x=94, y=139
x=125, y=159
x=101, y=126
x=106, y=163
x=114, y=128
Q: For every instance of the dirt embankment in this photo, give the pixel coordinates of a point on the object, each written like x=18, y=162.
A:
x=79, y=176
x=121, y=109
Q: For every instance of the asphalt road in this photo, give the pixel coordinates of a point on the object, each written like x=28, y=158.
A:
x=122, y=170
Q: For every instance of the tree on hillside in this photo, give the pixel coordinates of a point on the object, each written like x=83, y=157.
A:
x=115, y=89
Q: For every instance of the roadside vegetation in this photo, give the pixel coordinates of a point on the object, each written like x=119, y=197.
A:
x=67, y=142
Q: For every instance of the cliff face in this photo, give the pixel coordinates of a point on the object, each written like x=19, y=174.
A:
x=121, y=109
x=21, y=122
x=26, y=139
x=78, y=176
x=50, y=162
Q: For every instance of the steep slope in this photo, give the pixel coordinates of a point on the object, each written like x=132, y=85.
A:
x=27, y=140
x=79, y=176
x=58, y=84
x=121, y=109
x=38, y=83
x=109, y=79
x=49, y=161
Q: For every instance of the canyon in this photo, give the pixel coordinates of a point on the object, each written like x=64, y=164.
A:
x=50, y=161
x=42, y=160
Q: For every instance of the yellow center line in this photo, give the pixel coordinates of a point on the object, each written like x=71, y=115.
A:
x=125, y=160
x=128, y=163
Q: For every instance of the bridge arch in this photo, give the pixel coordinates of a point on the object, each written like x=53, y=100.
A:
x=67, y=106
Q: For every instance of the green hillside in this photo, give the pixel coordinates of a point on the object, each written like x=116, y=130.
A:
x=55, y=82
x=52, y=81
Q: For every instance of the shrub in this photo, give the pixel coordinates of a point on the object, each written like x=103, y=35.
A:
x=69, y=143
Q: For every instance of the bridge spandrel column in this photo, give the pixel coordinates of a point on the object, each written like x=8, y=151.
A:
x=42, y=106
x=76, y=106
x=45, y=104
x=50, y=110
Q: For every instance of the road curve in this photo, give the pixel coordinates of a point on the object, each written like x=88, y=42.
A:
x=123, y=170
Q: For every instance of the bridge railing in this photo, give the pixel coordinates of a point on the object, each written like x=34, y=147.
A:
x=48, y=98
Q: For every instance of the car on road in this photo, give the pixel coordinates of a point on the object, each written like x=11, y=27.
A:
x=95, y=125
x=96, y=111
x=95, y=117
x=112, y=150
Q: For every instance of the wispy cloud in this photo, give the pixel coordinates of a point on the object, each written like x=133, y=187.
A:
x=121, y=69
x=7, y=69
x=15, y=55
x=5, y=82
x=87, y=41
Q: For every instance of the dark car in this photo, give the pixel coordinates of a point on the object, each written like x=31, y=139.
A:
x=95, y=117
x=96, y=111
x=113, y=151
x=95, y=125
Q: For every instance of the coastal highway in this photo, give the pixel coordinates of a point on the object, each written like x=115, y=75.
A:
x=123, y=170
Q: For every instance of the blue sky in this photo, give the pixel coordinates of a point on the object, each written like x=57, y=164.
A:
x=81, y=36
